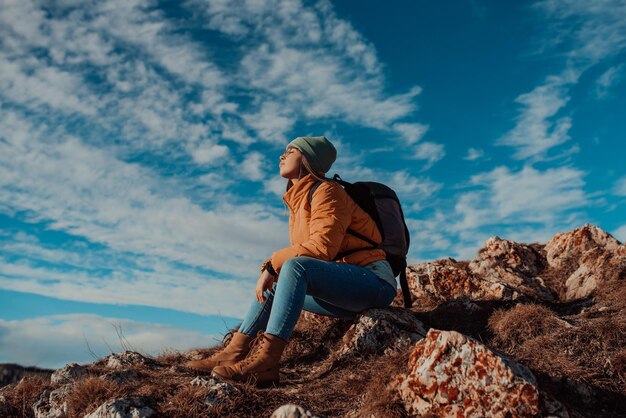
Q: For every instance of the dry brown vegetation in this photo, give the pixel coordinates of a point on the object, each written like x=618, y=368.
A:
x=580, y=354
x=88, y=394
x=23, y=395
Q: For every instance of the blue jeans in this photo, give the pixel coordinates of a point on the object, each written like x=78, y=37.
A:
x=323, y=287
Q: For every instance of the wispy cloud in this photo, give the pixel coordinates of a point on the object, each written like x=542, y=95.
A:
x=429, y=151
x=535, y=132
x=411, y=132
x=589, y=32
x=54, y=341
x=620, y=187
x=304, y=62
x=527, y=205
x=607, y=80
x=255, y=167
x=516, y=198
x=474, y=154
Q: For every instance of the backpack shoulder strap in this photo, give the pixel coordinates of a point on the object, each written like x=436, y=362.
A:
x=406, y=293
x=312, y=190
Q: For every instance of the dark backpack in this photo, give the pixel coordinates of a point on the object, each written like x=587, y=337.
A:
x=383, y=205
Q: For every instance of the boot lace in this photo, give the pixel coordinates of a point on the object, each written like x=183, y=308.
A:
x=255, y=349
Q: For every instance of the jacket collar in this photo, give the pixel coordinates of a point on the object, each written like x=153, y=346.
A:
x=299, y=191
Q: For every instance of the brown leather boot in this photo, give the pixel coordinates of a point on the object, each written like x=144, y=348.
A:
x=236, y=350
x=260, y=367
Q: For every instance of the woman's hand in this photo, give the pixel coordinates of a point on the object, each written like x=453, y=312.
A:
x=264, y=283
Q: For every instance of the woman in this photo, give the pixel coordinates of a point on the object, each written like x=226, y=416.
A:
x=324, y=270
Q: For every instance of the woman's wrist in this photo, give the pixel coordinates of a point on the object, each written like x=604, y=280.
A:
x=267, y=266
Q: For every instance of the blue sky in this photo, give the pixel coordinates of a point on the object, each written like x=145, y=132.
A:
x=139, y=143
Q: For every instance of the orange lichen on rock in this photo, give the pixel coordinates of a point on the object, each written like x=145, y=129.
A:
x=455, y=376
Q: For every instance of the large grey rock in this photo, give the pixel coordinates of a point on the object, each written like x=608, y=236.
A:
x=453, y=375
x=68, y=374
x=218, y=390
x=447, y=279
x=381, y=331
x=127, y=359
x=122, y=408
x=52, y=404
x=585, y=257
x=294, y=411
x=514, y=265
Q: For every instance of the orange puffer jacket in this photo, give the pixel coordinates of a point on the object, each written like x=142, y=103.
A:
x=319, y=230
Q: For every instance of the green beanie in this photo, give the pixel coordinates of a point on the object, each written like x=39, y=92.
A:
x=318, y=150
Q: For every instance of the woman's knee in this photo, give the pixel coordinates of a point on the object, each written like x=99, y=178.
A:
x=296, y=267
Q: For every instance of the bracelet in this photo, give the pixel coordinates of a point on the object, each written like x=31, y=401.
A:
x=268, y=266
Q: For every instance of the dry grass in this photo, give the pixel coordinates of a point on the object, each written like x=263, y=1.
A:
x=24, y=394
x=379, y=399
x=591, y=351
x=88, y=394
x=512, y=328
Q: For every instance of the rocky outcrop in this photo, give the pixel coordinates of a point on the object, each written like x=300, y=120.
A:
x=381, y=331
x=52, y=404
x=127, y=359
x=567, y=268
x=585, y=257
x=514, y=265
x=294, y=411
x=68, y=374
x=448, y=279
x=217, y=390
x=451, y=375
x=122, y=408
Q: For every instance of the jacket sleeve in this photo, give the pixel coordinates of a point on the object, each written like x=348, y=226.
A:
x=330, y=219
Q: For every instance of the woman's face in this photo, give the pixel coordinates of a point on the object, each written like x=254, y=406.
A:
x=290, y=162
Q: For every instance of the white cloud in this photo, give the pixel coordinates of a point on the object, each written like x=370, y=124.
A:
x=271, y=122
x=411, y=132
x=275, y=185
x=54, y=341
x=128, y=45
x=516, y=198
x=474, y=154
x=254, y=166
x=596, y=29
x=35, y=84
x=87, y=192
x=160, y=287
x=306, y=61
x=607, y=80
x=536, y=132
x=620, y=187
x=429, y=151
x=210, y=154
x=590, y=32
